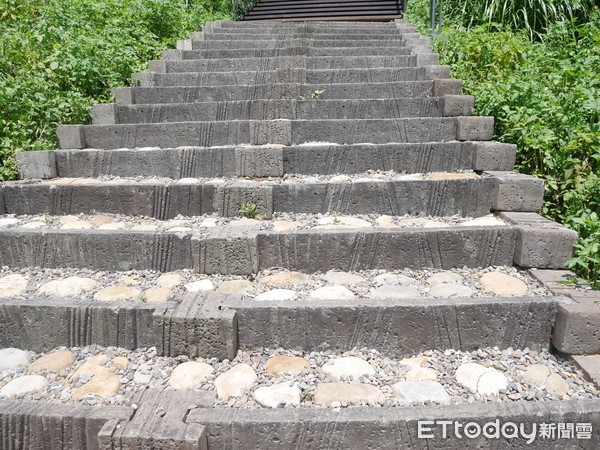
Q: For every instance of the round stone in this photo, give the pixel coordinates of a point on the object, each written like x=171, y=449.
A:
x=490, y=383
x=420, y=392
x=104, y=384
x=333, y=292
x=556, y=384
x=12, y=358
x=117, y=293
x=286, y=278
x=503, y=284
x=346, y=278
x=447, y=290
x=329, y=393
x=158, y=295
x=198, y=286
x=24, y=385
x=276, y=295
x=112, y=226
x=235, y=381
x=12, y=285
x=390, y=278
x=386, y=222
x=34, y=225
x=390, y=291
x=127, y=280
x=69, y=287
x=8, y=222
x=240, y=287
x=349, y=366
x=190, y=375
x=537, y=374
x=68, y=219
x=100, y=219
x=169, y=280
x=414, y=363
x=121, y=362
x=444, y=277
x=468, y=375
x=422, y=374
x=77, y=225
x=480, y=379
x=278, y=394
x=285, y=225
x=53, y=362
x=286, y=364
x=91, y=366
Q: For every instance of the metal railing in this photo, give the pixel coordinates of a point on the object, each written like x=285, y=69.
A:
x=241, y=8
x=436, y=14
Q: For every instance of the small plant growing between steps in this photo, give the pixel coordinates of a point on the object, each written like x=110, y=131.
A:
x=249, y=210
x=46, y=217
x=336, y=217
x=317, y=94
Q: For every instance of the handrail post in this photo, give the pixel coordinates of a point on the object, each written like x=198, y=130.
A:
x=434, y=5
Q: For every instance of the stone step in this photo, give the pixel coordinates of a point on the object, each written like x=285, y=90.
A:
x=464, y=194
x=191, y=94
x=321, y=35
x=217, y=44
x=529, y=241
x=284, y=132
x=287, y=51
x=304, y=109
x=289, y=62
x=311, y=29
x=349, y=25
x=298, y=76
x=264, y=161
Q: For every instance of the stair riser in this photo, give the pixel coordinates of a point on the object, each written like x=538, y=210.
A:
x=335, y=76
x=315, y=30
x=232, y=161
x=234, y=26
x=269, y=64
x=397, y=90
x=284, y=43
x=209, y=134
x=414, y=197
x=287, y=35
x=275, y=109
x=277, y=52
x=244, y=254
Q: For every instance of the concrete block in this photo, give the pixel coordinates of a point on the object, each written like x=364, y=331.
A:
x=71, y=136
x=590, y=365
x=458, y=105
x=577, y=329
x=446, y=86
x=124, y=95
x=158, y=66
x=105, y=114
x=271, y=132
x=201, y=327
x=493, y=155
x=231, y=198
x=41, y=164
x=185, y=44
x=426, y=59
x=294, y=75
x=232, y=251
x=516, y=192
x=259, y=162
x=475, y=128
x=173, y=55
x=434, y=72
x=144, y=78
x=541, y=243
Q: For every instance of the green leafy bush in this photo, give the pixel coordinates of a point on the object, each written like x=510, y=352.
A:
x=58, y=57
x=545, y=95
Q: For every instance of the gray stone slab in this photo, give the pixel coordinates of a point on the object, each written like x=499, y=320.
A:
x=517, y=192
x=577, y=329
x=40, y=164
x=333, y=35
x=152, y=200
x=232, y=198
x=474, y=128
x=590, y=366
x=214, y=44
x=541, y=243
x=259, y=162
x=446, y=86
x=471, y=197
x=458, y=105
x=397, y=328
x=493, y=155
x=225, y=251
x=182, y=94
x=353, y=250
x=361, y=428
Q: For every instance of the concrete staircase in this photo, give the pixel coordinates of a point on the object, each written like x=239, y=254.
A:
x=359, y=154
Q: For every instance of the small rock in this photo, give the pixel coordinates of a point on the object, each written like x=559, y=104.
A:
x=91, y=366
x=332, y=292
x=69, y=287
x=77, y=225
x=480, y=379
x=68, y=219
x=273, y=396
x=235, y=287
x=556, y=384
x=235, y=381
x=420, y=392
x=502, y=284
x=190, y=375
x=414, y=363
x=169, y=280
x=121, y=362
x=468, y=375
x=158, y=294
x=286, y=364
x=12, y=285
x=202, y=285
x=386, y=222
x=127, y=280
x=349, y=366
x=276, y=295
x=491, y=382
x=286, y=278
x=24, y=385
x=422, y=374
x=34, y=225
x=390, y=291
x=390, y=278
x=8, y=222
x=343, y=278
x=285, y=225
x=100, y=219
x=12, y=358
x=104, y=384
x=447, y=290
x=116, y=293
x=112, y=226
x=328, y=393
x=444, y=277
x=209, y=223
x=53, y=362
x=537, y=374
